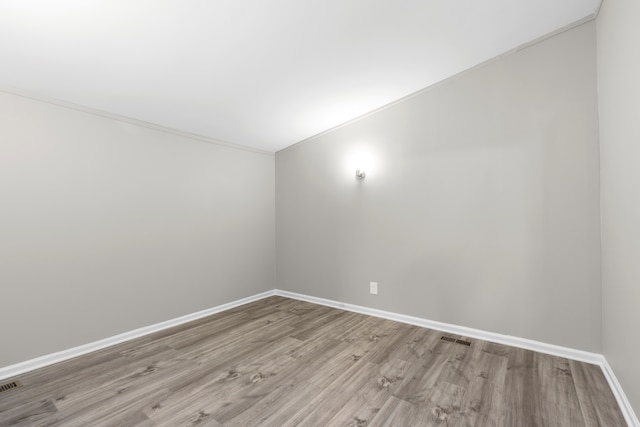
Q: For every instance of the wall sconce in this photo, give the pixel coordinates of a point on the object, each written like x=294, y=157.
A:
x=359, y=159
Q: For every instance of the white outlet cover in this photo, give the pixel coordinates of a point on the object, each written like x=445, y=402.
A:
x=373, y=288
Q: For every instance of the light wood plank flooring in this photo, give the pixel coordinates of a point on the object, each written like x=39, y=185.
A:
x=282, y=362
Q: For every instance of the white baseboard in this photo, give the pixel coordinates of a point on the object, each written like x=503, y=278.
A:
x=569, y=353
x=616, y=388
x=50, y=359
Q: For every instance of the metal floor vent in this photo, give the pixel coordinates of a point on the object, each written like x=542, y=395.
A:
x=450, y=339
x=9, y=386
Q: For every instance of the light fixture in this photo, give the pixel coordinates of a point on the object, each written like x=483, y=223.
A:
x=360, y=159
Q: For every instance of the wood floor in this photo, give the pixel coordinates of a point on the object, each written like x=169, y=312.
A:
x=282, y=362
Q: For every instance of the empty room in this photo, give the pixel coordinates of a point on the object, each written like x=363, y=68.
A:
x=337, y=213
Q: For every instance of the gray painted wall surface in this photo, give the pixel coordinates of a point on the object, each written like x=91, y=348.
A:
x=107, y=226
x=619, y=99
x=480, y=206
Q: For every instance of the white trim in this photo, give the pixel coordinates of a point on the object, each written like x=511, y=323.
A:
x=49, y=359
x=569, y=353
x=419, y=92
x=130, y=120
x=616, y=388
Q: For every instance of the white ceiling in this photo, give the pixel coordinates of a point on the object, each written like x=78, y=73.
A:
x=263, y=74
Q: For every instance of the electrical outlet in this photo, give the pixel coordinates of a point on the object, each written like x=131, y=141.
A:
x=373, y=288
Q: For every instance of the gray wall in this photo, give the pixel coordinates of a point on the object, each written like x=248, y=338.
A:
x=480, y=206
x=107, y=226
x=619, y=99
